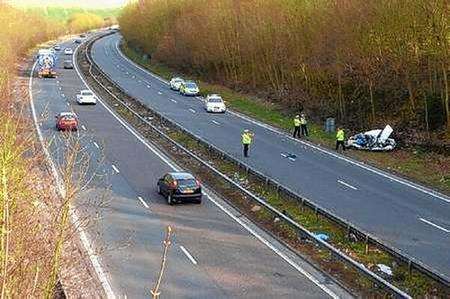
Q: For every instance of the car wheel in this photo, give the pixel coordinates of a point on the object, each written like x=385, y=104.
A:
x=169, y=199
x=198, y=201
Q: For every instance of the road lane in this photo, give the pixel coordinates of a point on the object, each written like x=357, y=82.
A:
x=231, y=263
x=383, y=205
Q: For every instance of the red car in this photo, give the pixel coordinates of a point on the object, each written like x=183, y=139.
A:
x=66, y=121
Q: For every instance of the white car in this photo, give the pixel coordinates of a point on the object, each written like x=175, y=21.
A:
x=86, y=97
x=189, y=88
x=175, y=83
x=68, y=51
x=214, y=103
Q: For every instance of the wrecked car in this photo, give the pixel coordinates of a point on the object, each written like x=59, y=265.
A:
x=374, y=140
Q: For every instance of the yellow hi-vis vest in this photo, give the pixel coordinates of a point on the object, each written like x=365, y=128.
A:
x=246, y=138
x=297, y=122
x=340, y=135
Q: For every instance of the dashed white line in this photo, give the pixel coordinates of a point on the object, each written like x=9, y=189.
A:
x=173, y=101
x=190, y=257
x=63, y=95
x=347, y=185
x=115, y=168
x=216, y=122
x=68, y=104
x=160, y=93
x=83, y=127
x=143, y=202
x=192, y=110
x=148, y=86
x=434, y=225
x=96, y=145
x=60, y=88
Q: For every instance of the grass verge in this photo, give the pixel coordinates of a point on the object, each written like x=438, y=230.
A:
x=428, y=168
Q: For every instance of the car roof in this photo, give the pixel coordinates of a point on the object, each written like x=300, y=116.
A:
x=214, y=95
x=85, y=90
x=67, y=114
x=178, y=78
x=181, y=175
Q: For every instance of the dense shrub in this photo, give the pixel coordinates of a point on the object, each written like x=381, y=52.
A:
x=363, y=61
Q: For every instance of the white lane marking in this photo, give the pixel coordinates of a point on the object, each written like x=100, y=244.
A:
x=216, y=122
x=67, y=103
x=283, y=155
x=57, y=82
x=96, y=145
x=276, y=250
x=115, y=168
x=143, y=202
x=292, y=159
x=434, y=225
x=355, y=163
x=60, y=88
x=63, y=95
x=83, y=127
x=134, y=77
x=239, y=221
x=192, y=110
x=347, y=184
x=148, y=86
x=139, y=67
x=101, y=274
x=160, y=93
x=189, y=256
x=173, y=101
x=130, y=129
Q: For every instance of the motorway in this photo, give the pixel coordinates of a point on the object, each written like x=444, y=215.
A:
x=215, y=251
x=403, y=215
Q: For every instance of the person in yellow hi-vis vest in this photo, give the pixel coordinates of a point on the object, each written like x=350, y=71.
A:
x=247, y=139
x=340, y=137
x=297, y=124
x=304, y=125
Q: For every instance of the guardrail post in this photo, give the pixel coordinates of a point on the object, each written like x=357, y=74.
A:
x=278, y=191
x=267, y=182
x=367, y=244
x=409, y=267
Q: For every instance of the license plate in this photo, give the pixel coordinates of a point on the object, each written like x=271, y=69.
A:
x=188, y=191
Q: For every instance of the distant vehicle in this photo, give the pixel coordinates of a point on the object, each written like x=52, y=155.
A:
x=68, y=51
x=86, y=97
x=179, y=187
x=175, y=83
x=214, y=103
x=77, y=41
x=57, y=48
x=66, y=121
x=82, y=35
x=68, y=64
x=46, y=62
x=189, y=88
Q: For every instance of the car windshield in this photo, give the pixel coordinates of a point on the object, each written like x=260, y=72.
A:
x=68, y=117
x=177, y=80
x=86, y=93
x=191, y=85
x=215, y=100
x=190, y=183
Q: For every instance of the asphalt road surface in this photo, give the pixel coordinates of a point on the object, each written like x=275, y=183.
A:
x=405, y=216
x=215, y=253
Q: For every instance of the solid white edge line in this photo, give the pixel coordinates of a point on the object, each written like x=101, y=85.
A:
x=347, y=184
x=189, y=256
x=143, y=202
x=434, y=225
x=115, y=168
x=266, y=126
x=260, y=238
x=276, y=250
x=102, y=277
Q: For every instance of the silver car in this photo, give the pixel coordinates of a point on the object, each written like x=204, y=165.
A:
x=175, y=83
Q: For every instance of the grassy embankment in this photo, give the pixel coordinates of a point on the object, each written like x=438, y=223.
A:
x=430, y=169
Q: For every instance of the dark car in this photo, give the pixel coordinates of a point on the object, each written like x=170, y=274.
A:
x=180, y=187
x=67, y=64
x=77, y=41
x=66, y=121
